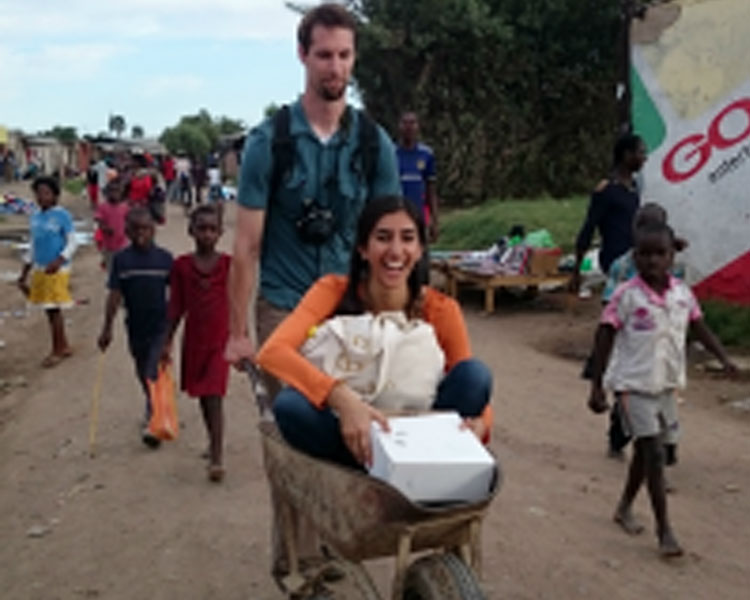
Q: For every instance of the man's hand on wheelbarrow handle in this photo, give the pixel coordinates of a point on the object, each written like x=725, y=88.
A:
x=256, y=382
x=238, y=351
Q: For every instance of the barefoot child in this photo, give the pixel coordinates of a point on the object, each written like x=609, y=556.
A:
x=139, y=276
x=198, y=290
x=52, y=247
x=646, y=322
x=621, y=270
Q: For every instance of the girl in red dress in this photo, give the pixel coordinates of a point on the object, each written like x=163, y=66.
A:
x=198, y=290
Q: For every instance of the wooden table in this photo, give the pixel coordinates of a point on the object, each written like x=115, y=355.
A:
x=489, y=282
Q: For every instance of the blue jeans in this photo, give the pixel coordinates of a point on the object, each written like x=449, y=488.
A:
x=466, y=388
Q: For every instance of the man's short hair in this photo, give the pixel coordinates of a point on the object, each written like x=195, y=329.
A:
x=627, y=142
x=329, y=14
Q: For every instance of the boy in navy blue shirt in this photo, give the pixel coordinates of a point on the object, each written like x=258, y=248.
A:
x=139, y=276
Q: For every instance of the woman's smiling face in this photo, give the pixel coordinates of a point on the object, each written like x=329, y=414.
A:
x=393, y=250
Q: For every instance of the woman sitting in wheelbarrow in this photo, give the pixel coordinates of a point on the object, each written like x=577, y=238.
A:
x=329, y=416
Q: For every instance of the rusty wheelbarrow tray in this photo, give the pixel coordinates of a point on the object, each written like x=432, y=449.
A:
x=362, y=518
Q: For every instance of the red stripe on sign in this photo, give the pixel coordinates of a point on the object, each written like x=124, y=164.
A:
x=731, y=283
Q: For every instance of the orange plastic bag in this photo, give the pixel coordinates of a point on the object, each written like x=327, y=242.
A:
x=163, y=423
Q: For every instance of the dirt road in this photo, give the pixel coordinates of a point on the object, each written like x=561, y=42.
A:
x=133, y=523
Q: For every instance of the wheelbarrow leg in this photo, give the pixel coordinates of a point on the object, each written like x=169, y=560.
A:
x=475, y=541
x=470, y=552
x=402, y=562
x=464, y=553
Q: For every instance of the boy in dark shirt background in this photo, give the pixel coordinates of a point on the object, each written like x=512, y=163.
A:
x=612, y=207
x=139, y=277
x=612, y=210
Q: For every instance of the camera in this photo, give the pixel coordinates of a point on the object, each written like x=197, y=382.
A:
x=317, y=223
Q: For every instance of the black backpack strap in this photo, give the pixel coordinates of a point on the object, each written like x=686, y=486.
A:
x=369, y=146
x=282, y=149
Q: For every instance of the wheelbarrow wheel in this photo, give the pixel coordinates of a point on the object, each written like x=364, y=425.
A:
x=441, y=577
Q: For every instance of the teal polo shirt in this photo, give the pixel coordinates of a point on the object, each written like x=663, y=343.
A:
x=326, y=172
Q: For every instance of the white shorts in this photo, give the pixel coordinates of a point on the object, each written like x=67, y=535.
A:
x=650, y=415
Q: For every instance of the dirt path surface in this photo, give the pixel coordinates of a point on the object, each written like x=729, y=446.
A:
x=133, y=523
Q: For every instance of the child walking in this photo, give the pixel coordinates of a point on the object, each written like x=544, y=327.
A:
x=110, y=216
x=139, y=277
x=646, y=323
x=621, y=270
x=48, y=261
x=198, y=291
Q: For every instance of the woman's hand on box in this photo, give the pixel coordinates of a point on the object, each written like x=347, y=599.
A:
x=355, y=417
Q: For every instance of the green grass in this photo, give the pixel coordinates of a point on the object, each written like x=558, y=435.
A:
x=74, y=186
x=730, y=322
x=479, y=227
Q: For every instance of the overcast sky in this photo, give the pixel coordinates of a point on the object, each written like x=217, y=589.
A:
x=74, y=62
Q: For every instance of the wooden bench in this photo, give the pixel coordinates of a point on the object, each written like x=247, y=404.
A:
x=542, y=271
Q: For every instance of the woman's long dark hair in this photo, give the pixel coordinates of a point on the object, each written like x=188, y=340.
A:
x=351, y=303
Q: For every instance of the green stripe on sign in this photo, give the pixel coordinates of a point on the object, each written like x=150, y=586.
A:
x=647, y=121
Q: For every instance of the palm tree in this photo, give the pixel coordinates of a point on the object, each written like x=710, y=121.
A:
x=136, y=132
x=117, y=124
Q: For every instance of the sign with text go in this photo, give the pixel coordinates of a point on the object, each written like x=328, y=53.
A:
x=692, y=153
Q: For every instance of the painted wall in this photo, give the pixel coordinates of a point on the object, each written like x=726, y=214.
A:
x=691, y=104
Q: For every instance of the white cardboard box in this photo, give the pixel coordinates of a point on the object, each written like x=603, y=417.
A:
x=429, y=458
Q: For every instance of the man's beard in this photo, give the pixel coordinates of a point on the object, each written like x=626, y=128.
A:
x=330, y=94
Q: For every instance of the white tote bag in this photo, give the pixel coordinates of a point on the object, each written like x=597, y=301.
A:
x=395, y=363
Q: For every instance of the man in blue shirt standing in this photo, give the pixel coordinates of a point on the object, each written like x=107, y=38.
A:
x=300, y=224
x=416, y=165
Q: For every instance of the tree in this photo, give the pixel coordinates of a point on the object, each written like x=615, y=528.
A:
x=117, y=124
x=64, y=134
x=199, y=134
x=227, y=126
x=515, y=97
x=188, y=138
x=270, y=110
x=136, y=132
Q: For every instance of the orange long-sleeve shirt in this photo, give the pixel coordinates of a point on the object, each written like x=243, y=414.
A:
x=280, y=354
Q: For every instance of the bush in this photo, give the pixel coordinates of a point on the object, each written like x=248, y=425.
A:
x=74, y=186
x=730, y=322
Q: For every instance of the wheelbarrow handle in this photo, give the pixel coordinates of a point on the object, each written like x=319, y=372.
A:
x=256, y=382
x=252, y=370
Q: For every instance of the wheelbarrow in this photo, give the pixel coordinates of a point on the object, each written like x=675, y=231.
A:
x=359, y=518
